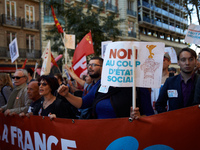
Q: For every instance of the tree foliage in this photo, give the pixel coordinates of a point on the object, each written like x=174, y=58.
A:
x=80, y=19
x=194, y=9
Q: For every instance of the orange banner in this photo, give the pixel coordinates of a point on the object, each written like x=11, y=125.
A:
x=178, y=130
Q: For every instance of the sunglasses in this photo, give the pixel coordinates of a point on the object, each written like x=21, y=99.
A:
x=43, y=84
x=17, y=77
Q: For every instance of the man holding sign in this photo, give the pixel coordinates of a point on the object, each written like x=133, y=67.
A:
x=106, y=102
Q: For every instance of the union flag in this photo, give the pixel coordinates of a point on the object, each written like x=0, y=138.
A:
x=60, y=30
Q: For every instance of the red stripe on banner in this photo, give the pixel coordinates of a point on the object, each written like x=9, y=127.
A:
x=193, y=30
x=178, y=130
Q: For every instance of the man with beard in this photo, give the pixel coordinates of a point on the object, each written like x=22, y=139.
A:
x=178, y=91
x=112, y=104
x=94, y=70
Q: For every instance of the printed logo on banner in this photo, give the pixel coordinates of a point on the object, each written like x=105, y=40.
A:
x=131, y=143
x=149, y=66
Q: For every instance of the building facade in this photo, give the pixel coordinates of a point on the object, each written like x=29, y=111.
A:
x=20, y=19
x=162, y=21
x=144, y=20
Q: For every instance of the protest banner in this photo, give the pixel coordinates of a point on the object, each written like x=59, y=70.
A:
x=117, y=67
x=14, y=52
x=69, y=41
x=174, y=130
x=103, y=48
x=193, y=34
x=172, y=53
x=46, y=56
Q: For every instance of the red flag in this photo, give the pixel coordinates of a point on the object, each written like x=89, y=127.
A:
x=60, y=30
x=80, y=67
x=53, y=61
x=85, y=47
x=24, y=64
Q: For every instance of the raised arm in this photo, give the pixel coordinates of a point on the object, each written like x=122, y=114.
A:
x=74, y=100
x=74, y=76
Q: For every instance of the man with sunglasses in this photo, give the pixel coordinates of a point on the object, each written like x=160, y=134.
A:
x=18, y=101
x=178, y=91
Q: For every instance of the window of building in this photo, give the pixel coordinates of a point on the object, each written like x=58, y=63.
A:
x=48, y=14
x=149, y=32
x=131, y=29
x=155, y=33
x=10, y=8
x=30, y=42
x=168, y=37
x=29, y=13
x=162, y=36
x=10, y=37
x=130, y=5
x=109, y=3
x=143, y=30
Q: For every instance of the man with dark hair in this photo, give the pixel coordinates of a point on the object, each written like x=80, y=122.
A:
x=178, y=91
x=114, y=103
x=30, y=74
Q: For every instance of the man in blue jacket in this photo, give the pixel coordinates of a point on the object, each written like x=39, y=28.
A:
x=178, y=91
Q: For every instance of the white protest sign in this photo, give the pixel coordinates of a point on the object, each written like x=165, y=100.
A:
x=172, y=53
x=69, y=41
x=193, y=34
x=46, y=65
x=117, y=66
x=103, y=48
x=14, y=52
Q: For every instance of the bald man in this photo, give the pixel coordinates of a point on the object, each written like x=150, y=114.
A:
x=33, y=94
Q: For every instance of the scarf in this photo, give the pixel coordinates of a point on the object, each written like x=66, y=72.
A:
x=11, y=99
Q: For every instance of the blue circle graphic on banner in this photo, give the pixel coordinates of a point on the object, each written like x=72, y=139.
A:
x=158, y=147
x=125, y=143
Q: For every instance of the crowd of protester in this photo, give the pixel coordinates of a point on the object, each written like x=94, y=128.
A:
x=55, y=96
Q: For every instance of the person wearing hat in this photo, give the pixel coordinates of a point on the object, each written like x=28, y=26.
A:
x=166, y=63
x=165, y=74
x=178, y=91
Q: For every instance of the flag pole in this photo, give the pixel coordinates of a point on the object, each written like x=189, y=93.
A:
x=36, y=65
x=133, y=68
x=16, y=64
x=133, y=85
x=66, y=55
x=59, y=70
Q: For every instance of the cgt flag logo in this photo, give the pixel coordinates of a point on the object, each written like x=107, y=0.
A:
x=80, y=67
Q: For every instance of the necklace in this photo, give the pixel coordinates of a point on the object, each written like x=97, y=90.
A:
x=46, y=103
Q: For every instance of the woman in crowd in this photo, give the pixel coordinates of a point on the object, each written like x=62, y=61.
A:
x=6, y=87
x=51, y=105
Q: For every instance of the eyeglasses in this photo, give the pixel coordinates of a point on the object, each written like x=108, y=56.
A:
x=17, y=77
x=92, y=65
x=43, y=84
